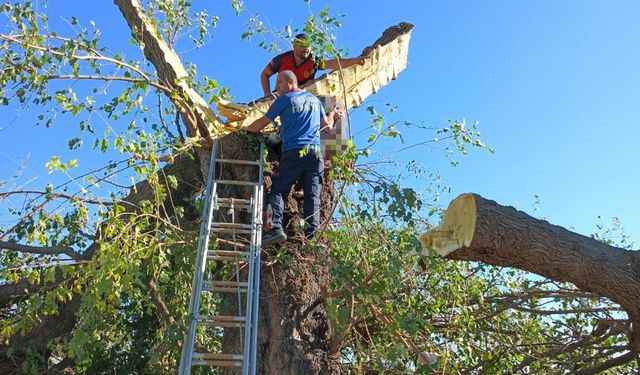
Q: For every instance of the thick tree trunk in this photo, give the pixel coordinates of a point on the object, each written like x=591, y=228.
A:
x=477, y=229
x=295, y=333
x=294, y=329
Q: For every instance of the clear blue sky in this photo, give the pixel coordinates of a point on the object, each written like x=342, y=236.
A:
x=553, y=84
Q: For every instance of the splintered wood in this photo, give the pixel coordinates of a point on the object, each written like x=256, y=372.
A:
x=456, y=229
x=386, y=59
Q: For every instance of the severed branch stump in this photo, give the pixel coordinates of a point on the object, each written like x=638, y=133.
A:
x=478, y=229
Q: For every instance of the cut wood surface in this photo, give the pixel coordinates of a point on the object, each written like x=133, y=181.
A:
x=477, y=229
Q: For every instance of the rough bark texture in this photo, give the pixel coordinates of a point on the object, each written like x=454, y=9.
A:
x=504, y=236
x=294, y=333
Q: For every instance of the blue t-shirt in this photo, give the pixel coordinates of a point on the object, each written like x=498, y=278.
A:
x=300, y=114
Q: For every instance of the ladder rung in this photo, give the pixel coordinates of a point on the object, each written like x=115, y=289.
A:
x=231, y=230
x=228, y=253
x=198, y=362
x=218, y=356
x=222, y=321
x=234, y=182
x=232, y=243
x=241, y=207
x=234, y=200
x=222, y=324
x=221, y=318
x=225, y=289
x=227, y=283
x=236, y=161
x=226, y=286
x=231, y=225
x=240, y=204
x=230, y=259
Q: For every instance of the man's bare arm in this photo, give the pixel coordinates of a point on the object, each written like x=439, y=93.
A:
x=258, y=124
x=264, y=80
x=336, y=64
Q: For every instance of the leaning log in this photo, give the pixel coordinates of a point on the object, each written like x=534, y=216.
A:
x=477, y=229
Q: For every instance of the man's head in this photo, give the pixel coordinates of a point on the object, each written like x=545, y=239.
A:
x=302, y=46
x=286, y=82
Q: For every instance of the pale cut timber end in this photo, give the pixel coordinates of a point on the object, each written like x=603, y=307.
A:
x=456, y=229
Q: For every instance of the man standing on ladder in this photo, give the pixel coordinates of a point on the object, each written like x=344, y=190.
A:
x=302, y=116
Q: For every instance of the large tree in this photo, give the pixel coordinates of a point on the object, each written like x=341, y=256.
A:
x=96, y=274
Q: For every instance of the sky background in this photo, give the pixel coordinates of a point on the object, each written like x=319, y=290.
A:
x=553, y=84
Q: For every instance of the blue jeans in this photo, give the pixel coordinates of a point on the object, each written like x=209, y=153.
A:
x=309, y=168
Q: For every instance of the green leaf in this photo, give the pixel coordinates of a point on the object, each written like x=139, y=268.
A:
x=172, y=181
x=75, y=143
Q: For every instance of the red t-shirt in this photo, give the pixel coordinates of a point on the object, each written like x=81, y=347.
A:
x=304, y=72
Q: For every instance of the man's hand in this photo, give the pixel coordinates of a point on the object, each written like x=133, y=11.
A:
x=361, y=59
x=335, y=114
x=338, y=114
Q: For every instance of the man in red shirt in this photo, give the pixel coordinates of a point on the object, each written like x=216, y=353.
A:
x=301, y=62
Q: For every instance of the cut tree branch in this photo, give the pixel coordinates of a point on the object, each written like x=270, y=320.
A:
x=196, y=114
x=477, y=229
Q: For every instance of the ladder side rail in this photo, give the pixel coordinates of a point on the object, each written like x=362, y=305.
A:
x=246, y=365
x=256, y=291
x=257, y=243
x=188, y=344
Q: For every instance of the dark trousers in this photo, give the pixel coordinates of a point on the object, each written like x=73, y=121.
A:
x=309, y=168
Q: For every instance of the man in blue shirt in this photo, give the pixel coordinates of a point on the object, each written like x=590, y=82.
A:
x=302, y=116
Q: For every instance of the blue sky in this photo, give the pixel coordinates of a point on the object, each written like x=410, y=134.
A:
x=554, y=85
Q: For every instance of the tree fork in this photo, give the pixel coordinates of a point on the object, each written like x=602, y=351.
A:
x=478, y=229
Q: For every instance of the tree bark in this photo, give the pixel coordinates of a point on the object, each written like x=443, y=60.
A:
x=477, y=229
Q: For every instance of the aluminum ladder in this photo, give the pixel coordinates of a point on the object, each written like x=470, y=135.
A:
x=236, y=244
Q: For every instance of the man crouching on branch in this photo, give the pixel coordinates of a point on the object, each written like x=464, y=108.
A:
x=302, y=116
